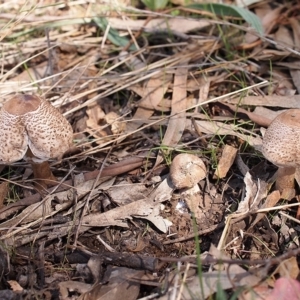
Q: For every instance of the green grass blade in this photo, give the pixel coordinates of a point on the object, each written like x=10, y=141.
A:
x=231, y=11
x=113, y=35
x=155, y=4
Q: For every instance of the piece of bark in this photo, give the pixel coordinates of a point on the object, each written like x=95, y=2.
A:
x=226, y=161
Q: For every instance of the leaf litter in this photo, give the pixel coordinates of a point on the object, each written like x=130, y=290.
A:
x=139, y=88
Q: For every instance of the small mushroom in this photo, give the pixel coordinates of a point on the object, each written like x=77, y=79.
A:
x=187, y=170
x=31, y=128
x=281, y=146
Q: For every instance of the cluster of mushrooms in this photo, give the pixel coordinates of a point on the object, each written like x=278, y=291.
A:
x=33, y=129
x=281, y=146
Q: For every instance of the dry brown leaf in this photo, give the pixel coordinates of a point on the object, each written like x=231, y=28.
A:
x=15, y=286
x=288, y=268
x=263, y=111
x=154, y=217
x=176, y=124
x=256, y=191
x=271, y=54
x=296, y=32
x=283, y=37
x=218, y=128
x=123, y=192
x=170, y=24
x=295, y=65
x=116, y=123
x=142, y=208
x=295, y=74
x=32, y=74
x=261, y=120
x=95, y=116
x=122, y=284
x=272, y=101
x=271, y=201
x=31, y=213
x=226, y=161
x=204, y=91
x=268, y=17
x=153, y=92
x=132, y=62
x=259, y=292
x=72, y=286
x=283, y=84
x=282, y=77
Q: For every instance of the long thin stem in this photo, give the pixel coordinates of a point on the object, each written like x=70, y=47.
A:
x=41, y=171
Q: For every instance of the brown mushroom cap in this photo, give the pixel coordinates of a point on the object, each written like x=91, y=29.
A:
x=30, y=121
x=187, y=170
x=281, y=142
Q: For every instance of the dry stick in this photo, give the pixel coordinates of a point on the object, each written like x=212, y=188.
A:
x=122, y=259
x=118, y=168
x=134, y=261
x=192, y=236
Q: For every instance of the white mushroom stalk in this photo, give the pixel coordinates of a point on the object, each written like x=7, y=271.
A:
x=31, y=127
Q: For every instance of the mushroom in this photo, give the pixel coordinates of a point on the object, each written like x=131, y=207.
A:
x=187, y=170
x=281, y=146
x=31, y=128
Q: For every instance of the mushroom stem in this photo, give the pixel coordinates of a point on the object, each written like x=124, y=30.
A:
x=285, y=181
x=41, y=170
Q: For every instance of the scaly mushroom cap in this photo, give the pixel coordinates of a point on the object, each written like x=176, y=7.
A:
x=30, y=121
x=187, y=170
x=281, y=142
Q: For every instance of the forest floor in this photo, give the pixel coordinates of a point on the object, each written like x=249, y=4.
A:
x=140, y=87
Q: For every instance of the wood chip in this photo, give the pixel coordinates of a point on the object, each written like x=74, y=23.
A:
x=226, y=161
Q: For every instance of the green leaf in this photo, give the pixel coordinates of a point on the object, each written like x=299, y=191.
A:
x=231, y=11
x=113, y=35
x=155, y=4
